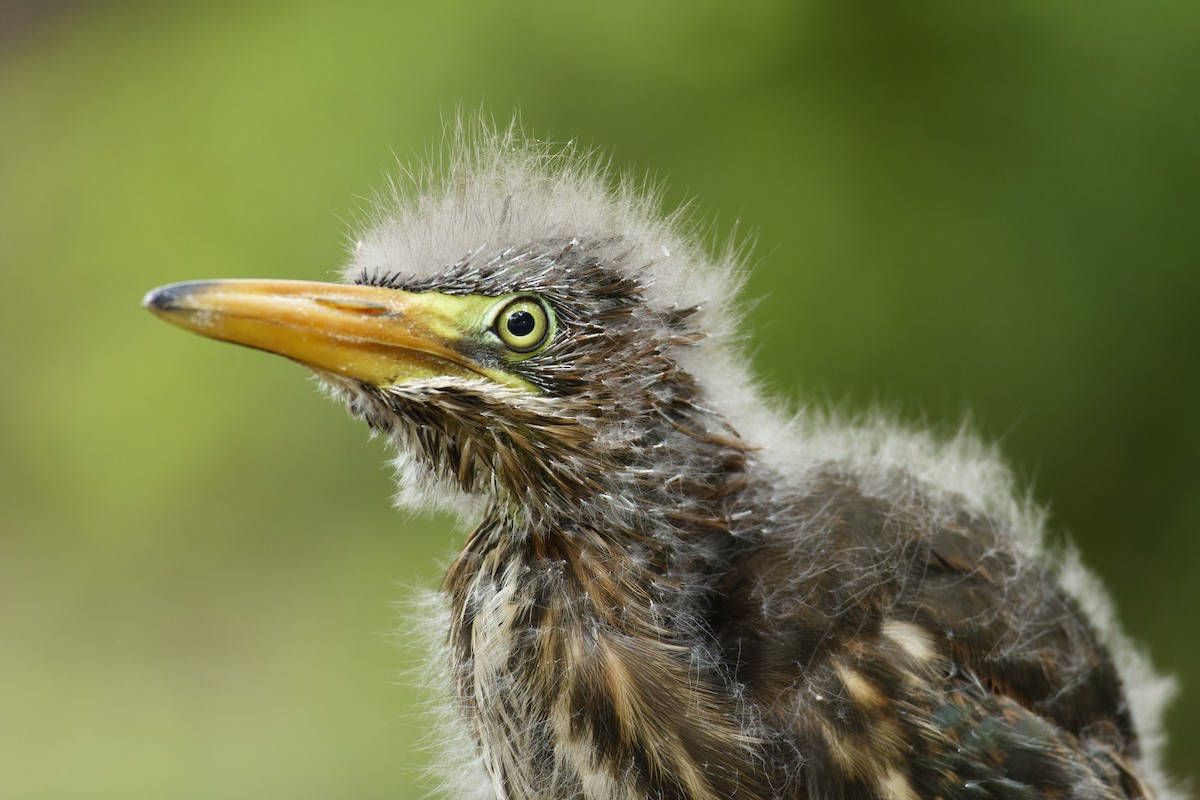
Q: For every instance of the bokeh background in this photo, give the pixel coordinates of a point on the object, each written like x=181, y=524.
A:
x=959, y=208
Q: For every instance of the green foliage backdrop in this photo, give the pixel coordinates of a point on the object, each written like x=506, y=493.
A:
x=958, y=208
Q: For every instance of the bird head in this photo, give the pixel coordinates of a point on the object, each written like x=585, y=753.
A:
x=523, y=324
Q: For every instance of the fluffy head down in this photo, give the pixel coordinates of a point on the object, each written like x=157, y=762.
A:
x=496, y=190
x=519, y=212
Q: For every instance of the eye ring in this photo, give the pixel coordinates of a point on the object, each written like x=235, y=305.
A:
x=523, y=323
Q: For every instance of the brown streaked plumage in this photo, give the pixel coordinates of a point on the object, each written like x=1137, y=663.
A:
x=672, y=590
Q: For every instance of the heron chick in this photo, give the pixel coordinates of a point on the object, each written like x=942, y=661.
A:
x=673, y=589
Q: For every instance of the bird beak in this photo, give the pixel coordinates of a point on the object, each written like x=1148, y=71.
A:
x=370, y=334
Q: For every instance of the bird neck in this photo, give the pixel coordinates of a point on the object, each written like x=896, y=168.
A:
x=628, y=535
x=627, y=496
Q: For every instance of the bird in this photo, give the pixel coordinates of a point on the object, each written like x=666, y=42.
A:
x=672, y=585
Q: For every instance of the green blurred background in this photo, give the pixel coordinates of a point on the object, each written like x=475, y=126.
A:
x=958, y=207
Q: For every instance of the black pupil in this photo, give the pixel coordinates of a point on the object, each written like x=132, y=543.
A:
x=521, y=323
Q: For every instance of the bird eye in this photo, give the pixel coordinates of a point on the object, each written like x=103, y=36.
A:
x=524, y=324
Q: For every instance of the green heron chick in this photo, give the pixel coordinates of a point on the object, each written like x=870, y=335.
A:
x=674, y=590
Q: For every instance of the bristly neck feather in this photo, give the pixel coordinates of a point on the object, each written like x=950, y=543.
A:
x=675, y=471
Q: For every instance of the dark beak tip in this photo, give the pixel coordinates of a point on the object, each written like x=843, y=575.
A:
x=172, y=296
x=155, y=299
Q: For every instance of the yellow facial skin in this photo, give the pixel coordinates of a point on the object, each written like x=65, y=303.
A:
x=378, y=336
